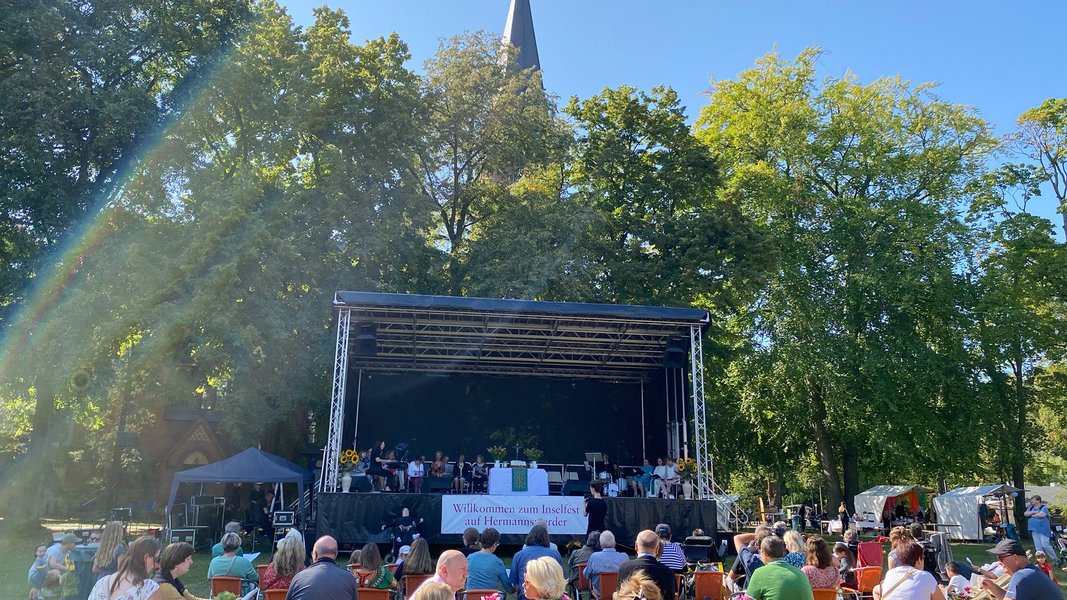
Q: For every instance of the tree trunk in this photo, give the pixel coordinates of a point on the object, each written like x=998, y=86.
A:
x=1018, y=455
x=824, y=448
x=851, y=460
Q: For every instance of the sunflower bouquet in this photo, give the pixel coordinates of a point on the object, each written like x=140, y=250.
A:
x=348, y=460
x=686, y=468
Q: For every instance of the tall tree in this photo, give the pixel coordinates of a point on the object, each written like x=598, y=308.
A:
x=1042, y=136
x=486, y=122
x=860, y=327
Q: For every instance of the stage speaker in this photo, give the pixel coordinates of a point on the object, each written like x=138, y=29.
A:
x=361, y=484
x=366, y=340
x=674, y=354
x=183, y=535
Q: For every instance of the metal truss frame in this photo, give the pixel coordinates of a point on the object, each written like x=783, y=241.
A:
x=705, y=464
x=331, y=462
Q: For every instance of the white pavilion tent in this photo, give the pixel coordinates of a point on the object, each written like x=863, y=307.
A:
x=958, y=508
x=874, y=500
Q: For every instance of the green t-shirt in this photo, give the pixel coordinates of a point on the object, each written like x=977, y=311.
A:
x=779, y=581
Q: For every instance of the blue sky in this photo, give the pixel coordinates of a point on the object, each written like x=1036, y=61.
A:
x=1000, y=57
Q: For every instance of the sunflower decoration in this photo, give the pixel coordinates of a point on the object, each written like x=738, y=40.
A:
x=348, y=457
x=686, y=468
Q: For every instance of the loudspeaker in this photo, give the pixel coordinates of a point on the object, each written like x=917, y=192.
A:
x=361, y=484
x=366, y=340
x=183, y=535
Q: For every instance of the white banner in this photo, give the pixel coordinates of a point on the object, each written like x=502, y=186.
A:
x=513, y=514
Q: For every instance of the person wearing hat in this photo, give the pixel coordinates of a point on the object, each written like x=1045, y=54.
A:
x=671, y=554
x=57, y=552
x=1027, y=581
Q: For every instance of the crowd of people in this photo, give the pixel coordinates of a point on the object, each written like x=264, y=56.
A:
x=773, y=563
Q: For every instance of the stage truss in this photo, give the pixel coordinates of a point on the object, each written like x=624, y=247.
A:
x=395, y=333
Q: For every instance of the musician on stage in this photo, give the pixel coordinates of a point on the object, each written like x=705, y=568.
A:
x=479, y=475
x=416, y=473
x=595, y=507
x=377, y=468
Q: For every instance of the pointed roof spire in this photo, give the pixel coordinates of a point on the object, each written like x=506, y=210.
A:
x=519, y=32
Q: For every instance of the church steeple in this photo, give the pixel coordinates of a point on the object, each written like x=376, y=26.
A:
x=519, y=32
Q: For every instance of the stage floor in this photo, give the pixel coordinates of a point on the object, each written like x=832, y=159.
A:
x=359, y=518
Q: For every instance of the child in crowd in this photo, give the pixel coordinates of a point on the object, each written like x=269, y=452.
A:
x=51, y=588
x=1042, y=563
x=38, y=571
x=956, y=582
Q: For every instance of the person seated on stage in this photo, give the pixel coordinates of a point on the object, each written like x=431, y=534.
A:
x=667, y=477
x=437, y=468
x=416, y=473
x=231, y=527
x=377, y=468
x=479, y=475
x=485, y=569
x=266, y=516
x=231, y=565
x=608, y=560
x=460, y=475
x=606, y=467
x=361, y=466
x=641, y=484
x=392, y=482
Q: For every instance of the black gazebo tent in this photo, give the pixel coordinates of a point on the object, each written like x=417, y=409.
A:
x=250, y=466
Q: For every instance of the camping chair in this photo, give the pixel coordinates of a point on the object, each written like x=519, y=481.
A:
x=609, y=582
x=223, y=583
x=275, y=594
x=678, y=582
x=866, y=579
x=373, y=593
x=582, y=585
x=412, y=583
x=869, y=554
x=707, y=585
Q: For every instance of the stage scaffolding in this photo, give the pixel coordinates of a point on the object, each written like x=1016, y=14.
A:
x=396, y=333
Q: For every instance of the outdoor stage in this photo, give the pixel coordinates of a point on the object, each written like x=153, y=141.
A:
x=357, y=518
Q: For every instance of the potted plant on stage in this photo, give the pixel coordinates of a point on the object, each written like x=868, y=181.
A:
x=687, y=470
x=498, y=453
x=347, y=459
x=533, y=455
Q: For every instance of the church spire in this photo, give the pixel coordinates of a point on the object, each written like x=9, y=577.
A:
x=519, y=32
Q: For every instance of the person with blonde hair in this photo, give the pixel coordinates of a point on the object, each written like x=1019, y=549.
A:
x=133, y=580
x=111, y=548
x=543, y=579
x=794, y=544
x=418, y=561
x=639, y=587
x=288, y=561
x=432, y=590
x=897, y=536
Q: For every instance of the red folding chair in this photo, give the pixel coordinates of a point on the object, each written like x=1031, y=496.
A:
x=707, y=585
x=412, y=583
x=373, y=593
x=869, y=554
x=223, y=583
x=609, y=582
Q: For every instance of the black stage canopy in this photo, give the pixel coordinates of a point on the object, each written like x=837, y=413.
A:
x=446, y=334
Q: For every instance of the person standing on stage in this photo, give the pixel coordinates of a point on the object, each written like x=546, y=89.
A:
x=596, y=508
x=672, y=554
x=377, y=468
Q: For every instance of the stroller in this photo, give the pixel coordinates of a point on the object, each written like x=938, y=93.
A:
x=1059, y=541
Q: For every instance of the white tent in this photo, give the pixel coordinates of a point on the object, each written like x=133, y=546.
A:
x=874, y=499
x=960, y=507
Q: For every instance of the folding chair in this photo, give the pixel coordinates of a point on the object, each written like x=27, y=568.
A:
x=609, y=582
x=869, y=554
x=707, y=585
x=475, y=594
x=412, y=583
x=373, y=593
x=223, y=583
x=866, y=579
x=274, y=594
x=261, y=570
x=583, y=582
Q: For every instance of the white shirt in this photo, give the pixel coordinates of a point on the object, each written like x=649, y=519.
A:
x=919, y=585
x=959, y=583
x=416, y=470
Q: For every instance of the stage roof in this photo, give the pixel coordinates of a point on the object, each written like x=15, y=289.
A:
x=447, y=334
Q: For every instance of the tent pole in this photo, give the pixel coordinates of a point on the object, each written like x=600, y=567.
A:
x=359, y=394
